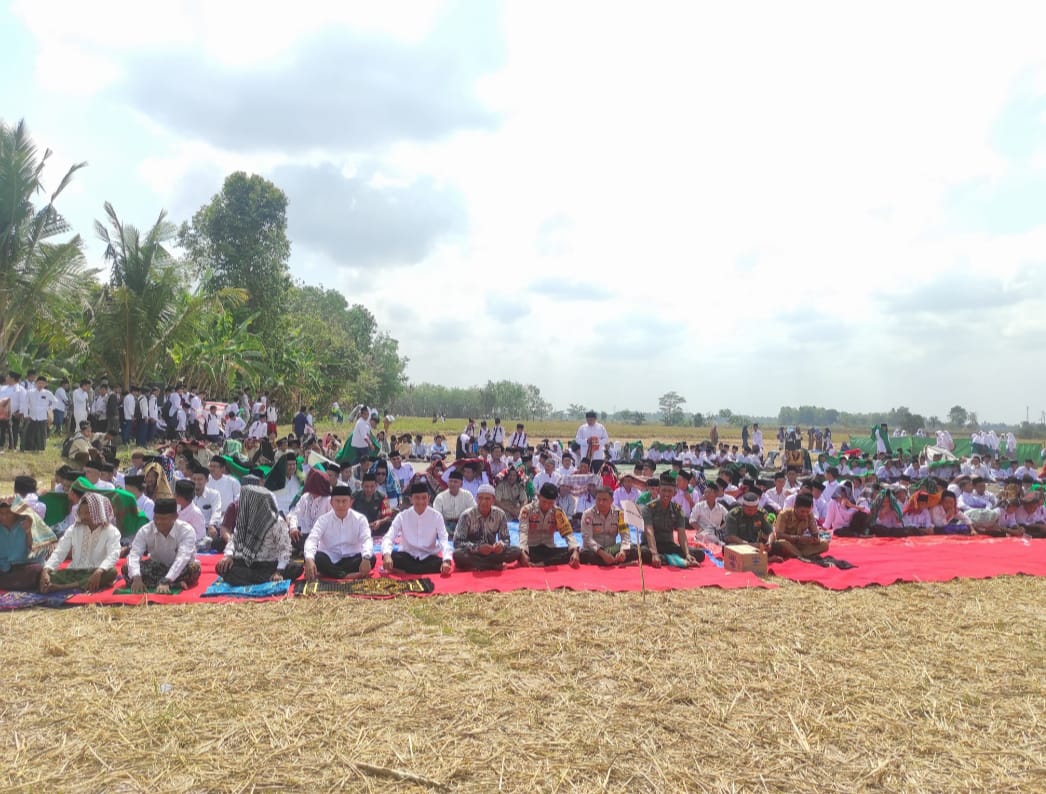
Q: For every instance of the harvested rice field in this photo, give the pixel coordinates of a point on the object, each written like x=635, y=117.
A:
x=937, y=687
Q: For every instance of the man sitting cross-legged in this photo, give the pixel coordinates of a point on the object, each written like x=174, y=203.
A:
x=605, y=537
x=795, y=531
x=481, y=539
x=95, y=546
x=170, y=546
x=422, y=536
x=539, y=521
x=665, y=527
x=340, y=545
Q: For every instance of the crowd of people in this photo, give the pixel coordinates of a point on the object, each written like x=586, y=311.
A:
x=278, y=508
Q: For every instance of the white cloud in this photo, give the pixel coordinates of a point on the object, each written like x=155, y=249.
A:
x=718, y=167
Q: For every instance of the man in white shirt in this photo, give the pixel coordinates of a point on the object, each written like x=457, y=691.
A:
x=422, y=537
x=234, y=425
x=774, y=498
x=403, y=472
x=208, y=499
x=360, y=441
x=519, y=438
x=188, y=512
x=227, y=486
x=39, y=403
x=757, y=437
x=170, y=546
x=626, y=491
x=135, y=485
x=548, y=475
x=708, y=516
x=340, y=545
x=593, y=439
x=95, y=547
x=454, y=501
x=129, y=405
x=80, y=401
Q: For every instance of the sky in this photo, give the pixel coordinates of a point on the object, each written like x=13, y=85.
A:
x=751, y=204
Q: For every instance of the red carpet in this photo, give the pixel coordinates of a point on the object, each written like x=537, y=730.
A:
x=885, y=561
x=878, y=561
x=594, y=578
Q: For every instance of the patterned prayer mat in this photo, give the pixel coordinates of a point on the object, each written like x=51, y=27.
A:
x=264, y=590
x=14, y=600
x=380, y=587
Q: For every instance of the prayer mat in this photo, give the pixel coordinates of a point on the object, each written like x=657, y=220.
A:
x=371, y=587
x=16, y=600
x=263, y=590
x=175, y=590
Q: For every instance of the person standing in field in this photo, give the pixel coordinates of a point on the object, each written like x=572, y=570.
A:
x=593, y=439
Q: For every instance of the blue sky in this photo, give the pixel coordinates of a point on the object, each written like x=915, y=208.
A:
x=752, y=205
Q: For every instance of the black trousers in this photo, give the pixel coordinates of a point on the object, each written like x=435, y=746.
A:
x=549, y=555
x=341, y=568
x=35, y=436
x=470, y=560
x=242, y=574
x=7, y=436
x=408, y=563
x=589, y=557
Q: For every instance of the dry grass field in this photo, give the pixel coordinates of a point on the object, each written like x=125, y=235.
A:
x=912, y=688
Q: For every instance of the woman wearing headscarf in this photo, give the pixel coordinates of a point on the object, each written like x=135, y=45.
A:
x=314, y=502
x=95, y=546
x=157, y=486
x=260, y=549
x=24, y=537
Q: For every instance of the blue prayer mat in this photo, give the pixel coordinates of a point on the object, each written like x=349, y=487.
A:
x=263, y=590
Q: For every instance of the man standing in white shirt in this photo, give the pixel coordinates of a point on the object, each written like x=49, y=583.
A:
x=593, y=439
x=81, y=402
x=519, y=438
x=129, y=405
x=38, y=406
x=340, y=545
x=422, y=537
x=61, y=405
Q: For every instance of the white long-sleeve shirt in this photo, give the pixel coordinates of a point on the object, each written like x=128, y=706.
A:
x=210, y=504
x=97, y=549
x=340, y=537
x=80, y=398
x=176, y=549
x=193, y=516
x=228, y=489
x=451, y=507
x=597, y=432
x=419, y=535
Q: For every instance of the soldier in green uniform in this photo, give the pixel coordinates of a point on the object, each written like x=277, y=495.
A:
x=748, y=524
x=665, y=527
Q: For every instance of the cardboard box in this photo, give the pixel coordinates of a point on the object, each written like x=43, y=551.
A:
x=742, y=557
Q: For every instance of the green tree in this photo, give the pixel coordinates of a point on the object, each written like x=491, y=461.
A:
x=239, y=240
x=146, y=309
x=43, y=281
x=670, y=405
x=957, y=415
x=698, y=420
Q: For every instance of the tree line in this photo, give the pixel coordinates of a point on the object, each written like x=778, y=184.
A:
x=209, y=301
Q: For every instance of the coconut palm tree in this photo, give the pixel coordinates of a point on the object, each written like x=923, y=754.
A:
x=147, y=308
x=43, y=281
